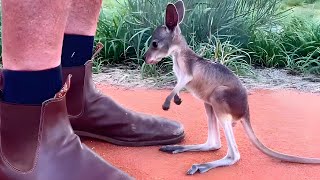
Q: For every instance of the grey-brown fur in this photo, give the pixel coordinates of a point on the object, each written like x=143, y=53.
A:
x=225, y=98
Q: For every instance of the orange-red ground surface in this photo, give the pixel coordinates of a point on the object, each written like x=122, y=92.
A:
x=285, y=121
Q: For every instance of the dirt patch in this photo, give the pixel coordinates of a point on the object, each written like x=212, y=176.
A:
x=123, y=78
x=272, y=79
x=282, y=114
x=275, y=79
x=286, y=121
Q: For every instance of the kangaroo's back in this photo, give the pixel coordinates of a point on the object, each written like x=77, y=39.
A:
x=208, y=75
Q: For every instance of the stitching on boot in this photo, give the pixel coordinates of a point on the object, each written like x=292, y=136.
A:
x=7, y=162
x=58, y=97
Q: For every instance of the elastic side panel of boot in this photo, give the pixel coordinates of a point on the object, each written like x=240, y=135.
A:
x=75, y=95
x=19, y=134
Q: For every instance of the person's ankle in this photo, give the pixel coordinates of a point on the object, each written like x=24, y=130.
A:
x=31, y=87
x=76, y=50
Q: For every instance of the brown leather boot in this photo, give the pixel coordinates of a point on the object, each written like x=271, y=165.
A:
x=97, y=116
x=38, y=143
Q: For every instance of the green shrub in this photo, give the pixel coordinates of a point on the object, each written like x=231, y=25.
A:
x=291, y=3
x=234, y=32
x=231, y=21
x=311, y=1
x=295, y=46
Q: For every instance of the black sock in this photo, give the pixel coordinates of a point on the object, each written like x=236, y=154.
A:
x=76, y=50
x=31, y=87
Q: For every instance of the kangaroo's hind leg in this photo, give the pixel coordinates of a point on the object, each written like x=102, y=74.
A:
x=232, y=156
x=224, y=102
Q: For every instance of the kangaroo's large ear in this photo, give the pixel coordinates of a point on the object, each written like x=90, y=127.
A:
x=172, y=16
x=180, y=9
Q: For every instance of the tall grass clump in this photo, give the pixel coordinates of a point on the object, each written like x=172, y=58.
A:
x=295, y=45
x=230, y=21
x=110, y=33
x=291, y=3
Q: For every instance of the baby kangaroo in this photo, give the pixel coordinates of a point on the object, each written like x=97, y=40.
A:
x=225, y=98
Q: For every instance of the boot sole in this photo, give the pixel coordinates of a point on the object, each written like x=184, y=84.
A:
x=129, y=143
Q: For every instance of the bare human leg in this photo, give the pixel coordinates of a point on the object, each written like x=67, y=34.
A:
x=33, y=33
x=32, y=37
x=37, y=141
x=83, y=17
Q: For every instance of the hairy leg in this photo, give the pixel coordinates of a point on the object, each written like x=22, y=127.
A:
x=32, y=33
x=213, y=142
x=32, y=37
x=79, y=33
x=83, y=17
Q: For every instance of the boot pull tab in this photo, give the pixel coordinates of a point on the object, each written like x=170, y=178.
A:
x=65, y=88
x=97, y=50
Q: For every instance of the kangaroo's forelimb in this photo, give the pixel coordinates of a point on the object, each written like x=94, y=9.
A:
x=179, y=86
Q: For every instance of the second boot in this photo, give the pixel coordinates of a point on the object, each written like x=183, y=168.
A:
x=95, y=115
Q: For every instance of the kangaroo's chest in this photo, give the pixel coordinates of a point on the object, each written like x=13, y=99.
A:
x=181, y=72
x=177, y=73
x=178, y=69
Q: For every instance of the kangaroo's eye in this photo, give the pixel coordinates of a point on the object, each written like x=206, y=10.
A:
x=154, y=44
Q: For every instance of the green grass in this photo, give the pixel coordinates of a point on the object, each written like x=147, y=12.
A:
x=281, y=34
x=126, y=38
x=291, y=3
x=308, y=10
x=238, y=33
x=295, y=47
x=294, y=44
